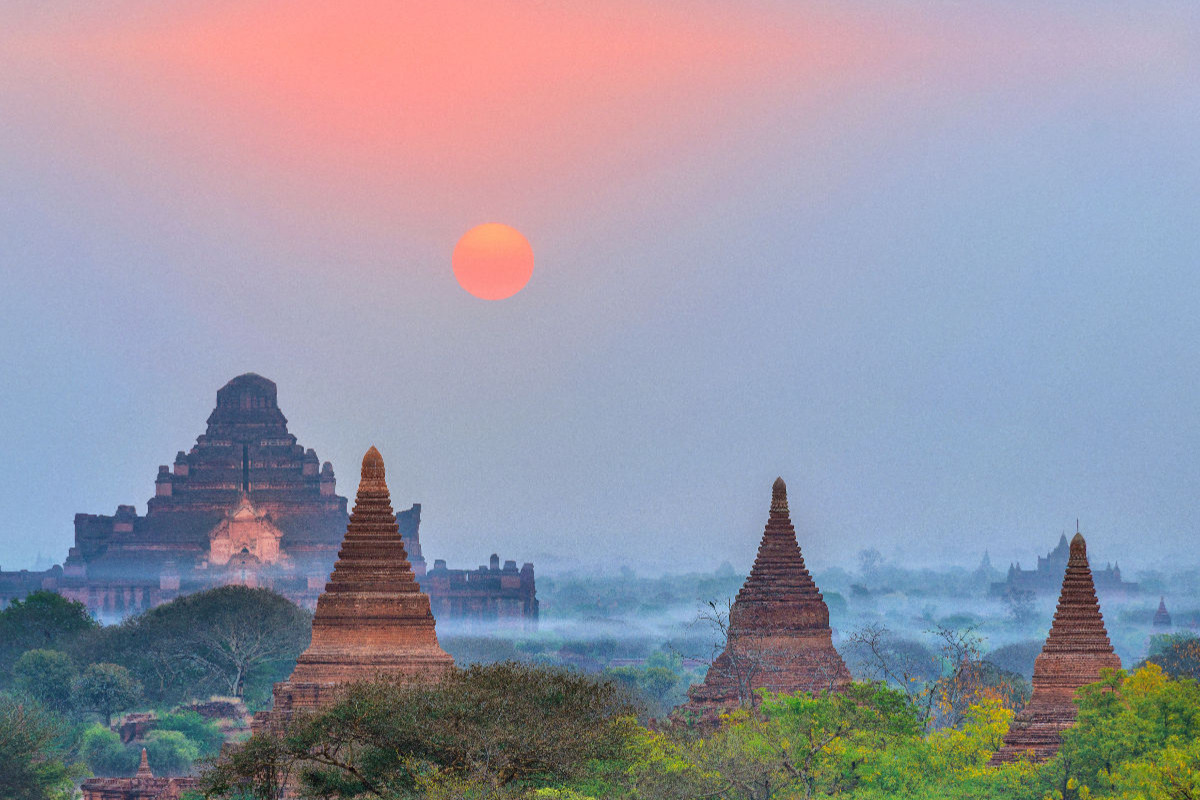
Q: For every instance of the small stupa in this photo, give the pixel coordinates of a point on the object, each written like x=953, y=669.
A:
x=779, y=637
x=1162, y=617
x=143, y=770
x=1075, y=651
x=372, y=619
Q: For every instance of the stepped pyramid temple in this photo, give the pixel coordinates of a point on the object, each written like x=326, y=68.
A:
x=372, y=618
x=1044, y=579
x=1076, y=649
x=248, y=505
x=779, y=637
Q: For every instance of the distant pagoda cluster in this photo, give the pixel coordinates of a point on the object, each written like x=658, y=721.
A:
x=1075, y=652
x=778, y=636
x=249, y=505
x=1043, y=580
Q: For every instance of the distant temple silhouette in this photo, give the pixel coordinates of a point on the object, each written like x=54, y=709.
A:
x=1047, y=577
x=248, y=505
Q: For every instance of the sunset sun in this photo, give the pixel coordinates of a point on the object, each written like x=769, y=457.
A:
x=493, y=261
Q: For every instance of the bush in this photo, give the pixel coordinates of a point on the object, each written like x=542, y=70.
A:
x=105, y=755
x=170, y=752
x=202, y=732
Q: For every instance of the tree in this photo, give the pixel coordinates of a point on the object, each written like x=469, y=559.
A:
x=106, y=689
x=492, y=726
x=231, y=640
x=1131, y=727
x=870, y=561
x=105, y=754
x=170, y=752
x=791, y=746
x=47, y=677
x=941, y=684
x=1178, y=654
x=36, y=749
x=1021, y=607
x=43, y=620
x=204, y=733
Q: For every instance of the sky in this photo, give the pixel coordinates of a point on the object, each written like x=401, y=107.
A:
x=935, y=264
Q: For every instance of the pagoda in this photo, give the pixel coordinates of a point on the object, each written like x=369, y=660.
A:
x=1076, y=650
x=1162, y=617
x=142, y=786
x=372, y=619
x=778, y=635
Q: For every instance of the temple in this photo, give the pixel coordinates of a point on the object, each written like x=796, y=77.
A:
x=1162, y=617
x=142, y=786
x=1075, y=652
x=246, y=505
x=779, y=637
x=490, y=596
x=372, y=619
x=1044, y=579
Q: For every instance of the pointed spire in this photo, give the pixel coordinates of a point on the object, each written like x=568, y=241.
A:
x=779, y=622
x=373, y=617
x=779, y=497
x=373, y=473
x=779, y=572
x=143, y=770
x=1162, y=617
x=1076, y=649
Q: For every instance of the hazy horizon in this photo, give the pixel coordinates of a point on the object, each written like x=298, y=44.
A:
x=936, y=267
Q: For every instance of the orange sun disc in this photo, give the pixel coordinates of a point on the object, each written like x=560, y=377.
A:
x=493, y=261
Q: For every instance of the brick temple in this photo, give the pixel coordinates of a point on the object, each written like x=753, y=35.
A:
x=248, y=505
x=1075, y=651
x=372, y=619
x=779, y=637
x=142, y=786
x=1043, y=580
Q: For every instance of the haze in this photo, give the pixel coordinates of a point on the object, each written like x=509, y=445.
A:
x=936, y=267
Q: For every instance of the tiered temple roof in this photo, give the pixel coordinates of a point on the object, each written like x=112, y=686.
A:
x=373, y=619
x=1075, y=652
x=1162, y=617
x=779, y=637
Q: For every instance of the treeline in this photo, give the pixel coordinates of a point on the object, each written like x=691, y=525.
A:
x=524, y=731
x=67, y=676
x=921, y=722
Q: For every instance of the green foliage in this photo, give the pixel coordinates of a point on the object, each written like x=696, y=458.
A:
x=1131, y=728
x=105, y=755
x=170, y=752
x=1178, y=654
x=105, y=689
x=204, y=733
x=43, y=620
x=655, y=684
x=496, y=726
x=47, y=677
x=36, y=753
x=1016, y=657
x=230, y=641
